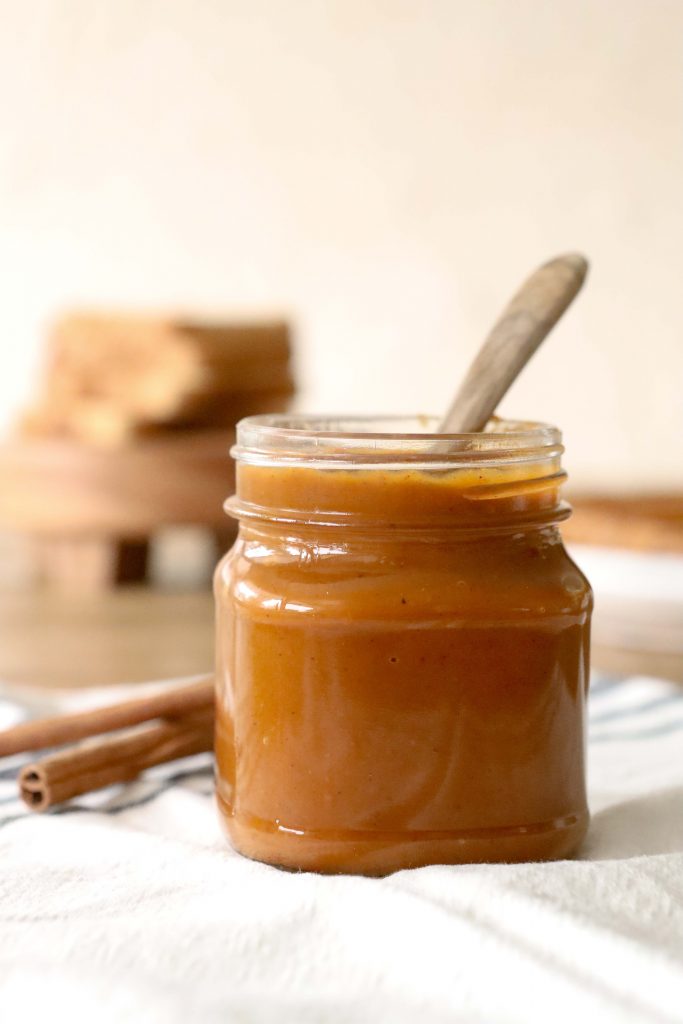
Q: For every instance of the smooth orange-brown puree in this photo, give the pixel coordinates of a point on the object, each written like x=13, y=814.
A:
x=391, y=696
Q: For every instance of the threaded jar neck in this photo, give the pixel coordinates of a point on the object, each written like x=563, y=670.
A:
x=396, y=472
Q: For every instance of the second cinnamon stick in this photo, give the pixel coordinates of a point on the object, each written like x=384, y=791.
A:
x=106, y=762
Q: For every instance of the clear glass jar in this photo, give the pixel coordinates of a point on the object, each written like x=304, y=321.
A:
x=402, y=648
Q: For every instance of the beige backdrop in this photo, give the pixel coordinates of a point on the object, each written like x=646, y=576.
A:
x=383, y=170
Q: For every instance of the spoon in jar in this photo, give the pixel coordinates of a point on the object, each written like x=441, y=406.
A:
x=524, y=323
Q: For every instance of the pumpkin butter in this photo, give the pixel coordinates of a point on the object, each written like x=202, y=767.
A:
x=402, y=649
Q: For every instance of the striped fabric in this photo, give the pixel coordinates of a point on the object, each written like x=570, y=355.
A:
x=128, y=905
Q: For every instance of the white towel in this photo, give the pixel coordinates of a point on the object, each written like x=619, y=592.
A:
x=129, y=906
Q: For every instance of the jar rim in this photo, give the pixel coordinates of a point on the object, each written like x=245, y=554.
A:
x=374, y=440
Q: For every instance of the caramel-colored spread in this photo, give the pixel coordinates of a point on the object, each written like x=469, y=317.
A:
x=408, y=687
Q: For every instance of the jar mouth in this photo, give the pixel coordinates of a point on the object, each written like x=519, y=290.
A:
x=389, y=440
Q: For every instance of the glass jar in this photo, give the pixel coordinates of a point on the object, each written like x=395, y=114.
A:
x=402, y=648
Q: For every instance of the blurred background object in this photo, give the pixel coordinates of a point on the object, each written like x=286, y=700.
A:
x=383, y=175
x=112, y=378
x=636, y=521
x=131, y=434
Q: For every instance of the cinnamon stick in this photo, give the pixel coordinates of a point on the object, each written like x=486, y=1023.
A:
x=106, y=762
x=174, y=703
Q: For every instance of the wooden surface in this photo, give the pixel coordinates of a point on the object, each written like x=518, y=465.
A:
x=126, y=635
x=631, y=636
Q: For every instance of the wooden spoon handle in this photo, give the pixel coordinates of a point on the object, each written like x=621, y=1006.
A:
x=526, y=320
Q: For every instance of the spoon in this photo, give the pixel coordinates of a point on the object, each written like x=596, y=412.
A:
x=524, y=323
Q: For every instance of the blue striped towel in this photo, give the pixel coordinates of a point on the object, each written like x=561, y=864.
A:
x=128, y=905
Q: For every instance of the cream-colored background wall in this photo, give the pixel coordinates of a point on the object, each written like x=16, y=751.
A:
x=383, y=170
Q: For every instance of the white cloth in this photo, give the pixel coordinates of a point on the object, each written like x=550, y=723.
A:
x=129, y=906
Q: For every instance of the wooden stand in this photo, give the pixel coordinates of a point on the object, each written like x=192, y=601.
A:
x=131, y=432
x=91, y=513
x=90, y=563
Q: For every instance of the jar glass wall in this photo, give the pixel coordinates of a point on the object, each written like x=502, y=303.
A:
x=402, y=648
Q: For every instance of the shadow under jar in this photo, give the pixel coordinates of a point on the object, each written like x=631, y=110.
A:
x=403, y=648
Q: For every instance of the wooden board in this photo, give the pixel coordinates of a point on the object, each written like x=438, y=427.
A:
x=644, y=522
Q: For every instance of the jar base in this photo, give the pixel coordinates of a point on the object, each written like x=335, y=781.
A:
x=382, y=853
